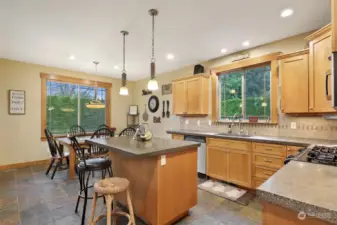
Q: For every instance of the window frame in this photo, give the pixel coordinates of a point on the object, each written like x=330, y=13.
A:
x=71, y=80
x=244, y=64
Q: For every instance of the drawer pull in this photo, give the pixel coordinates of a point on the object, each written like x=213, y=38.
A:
x=269, y=174
x=268, y=149
x=268, y=160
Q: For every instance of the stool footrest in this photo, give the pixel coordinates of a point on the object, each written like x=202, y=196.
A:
x=114, y=214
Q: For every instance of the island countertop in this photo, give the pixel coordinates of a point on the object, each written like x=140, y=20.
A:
x=302, y=186
x=154, y=147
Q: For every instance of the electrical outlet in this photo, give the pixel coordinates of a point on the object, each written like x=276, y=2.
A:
x=293, y=125
x=163, y=160
x=210, y=122
x=186, y=122
x=198, y=122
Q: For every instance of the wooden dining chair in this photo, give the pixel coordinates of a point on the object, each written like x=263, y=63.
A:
x=129, y=131
x=76, y=131
x=57, y=155
x=96, y=151
x=113, y=129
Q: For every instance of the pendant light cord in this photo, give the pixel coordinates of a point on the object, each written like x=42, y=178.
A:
x=124, y=53
x=152, y=39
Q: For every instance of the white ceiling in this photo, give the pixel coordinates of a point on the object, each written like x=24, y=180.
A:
x=47, y=32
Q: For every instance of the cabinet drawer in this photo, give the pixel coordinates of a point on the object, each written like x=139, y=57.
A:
x=263, y=173
x=292, y=150
x=268, y=161
x=235, y=145
x=178, y=137
x=256, y=182
x=269, y=149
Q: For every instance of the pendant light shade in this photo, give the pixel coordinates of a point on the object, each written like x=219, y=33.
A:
x=152, y=84
x=95, y=104
x=124, y=90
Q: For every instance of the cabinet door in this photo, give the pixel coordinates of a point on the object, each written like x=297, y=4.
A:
x=193, y=91
x=217, y=163
x=294, y=73
x=240, y=168
x=179, y=97
x=319, y=74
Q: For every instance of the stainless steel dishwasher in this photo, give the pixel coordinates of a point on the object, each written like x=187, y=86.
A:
x=201, y=151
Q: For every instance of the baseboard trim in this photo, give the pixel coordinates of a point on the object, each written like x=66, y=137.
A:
x=24, y=164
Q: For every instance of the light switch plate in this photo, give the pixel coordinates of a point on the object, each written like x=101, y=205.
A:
x=293, y=125
x=210, y=122
x=186, y=122
x=198, y=122
x=163, y=160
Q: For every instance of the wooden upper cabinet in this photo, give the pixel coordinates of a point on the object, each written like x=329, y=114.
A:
x=294, y=77
x=191, y=95
x=320, y=71
x=179, y=97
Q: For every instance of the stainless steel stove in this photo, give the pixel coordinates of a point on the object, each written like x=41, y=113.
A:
x=319, y=154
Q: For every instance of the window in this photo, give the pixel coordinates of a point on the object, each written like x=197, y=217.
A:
x=245, y=92
x=64, y=103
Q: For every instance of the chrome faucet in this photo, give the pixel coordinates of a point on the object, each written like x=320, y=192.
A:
x=230, y=126
x=240, y=127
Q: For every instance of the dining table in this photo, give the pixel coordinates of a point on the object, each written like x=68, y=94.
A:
x=65, y=141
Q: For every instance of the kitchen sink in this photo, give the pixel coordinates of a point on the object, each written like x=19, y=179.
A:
x=233, y=135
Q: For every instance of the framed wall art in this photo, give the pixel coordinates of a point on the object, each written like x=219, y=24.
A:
x=166, y=89
x=16, y=102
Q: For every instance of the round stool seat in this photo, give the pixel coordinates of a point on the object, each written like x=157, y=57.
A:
x=113, y=185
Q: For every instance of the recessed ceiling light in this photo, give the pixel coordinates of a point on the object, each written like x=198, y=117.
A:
x=170, y=56
x=72, y=57
x=246, y=43
x=287, y=12
x=116, y=67
x=223, y=50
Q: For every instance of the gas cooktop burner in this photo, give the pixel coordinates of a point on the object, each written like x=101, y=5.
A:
x=323, y=155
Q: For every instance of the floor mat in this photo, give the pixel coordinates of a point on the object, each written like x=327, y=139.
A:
x=227, y=191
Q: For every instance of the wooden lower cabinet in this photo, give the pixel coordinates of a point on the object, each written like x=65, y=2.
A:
x=240, y=168
x=217, y=163
x=178, y=137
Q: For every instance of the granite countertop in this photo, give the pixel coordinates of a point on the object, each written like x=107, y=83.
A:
x=302, y=186
x=154, y=147
x=264, y=139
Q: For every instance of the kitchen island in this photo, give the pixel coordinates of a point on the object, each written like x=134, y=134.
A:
x=300, y=193
x=162, y=175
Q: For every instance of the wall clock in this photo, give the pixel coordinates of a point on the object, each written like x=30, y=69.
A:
x=153, y=103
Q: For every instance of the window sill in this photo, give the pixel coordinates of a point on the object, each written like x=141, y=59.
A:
x=245, y=122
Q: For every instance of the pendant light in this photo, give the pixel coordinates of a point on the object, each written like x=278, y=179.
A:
x=124, y=90
x=95, y=104
x=152, y=85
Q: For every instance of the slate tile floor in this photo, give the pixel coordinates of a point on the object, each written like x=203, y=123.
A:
x=28, y=197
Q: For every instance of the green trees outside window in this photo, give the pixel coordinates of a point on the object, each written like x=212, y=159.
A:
x=245, y=92
x=66, y=106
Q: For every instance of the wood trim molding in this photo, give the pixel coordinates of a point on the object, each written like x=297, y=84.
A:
x=73, y=80
x=292, y=54
x=274, y=91
x=318, y=33
x=215, y=97
x=334, y=25
x=24, y=164
x=247, y=63
x=64, y=79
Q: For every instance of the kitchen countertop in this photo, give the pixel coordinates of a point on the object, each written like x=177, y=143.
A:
x=302, y=186
x=265, y=139
x=154, y=147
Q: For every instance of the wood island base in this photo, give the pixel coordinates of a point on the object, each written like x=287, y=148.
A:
x=276, y=215
x=161, y=194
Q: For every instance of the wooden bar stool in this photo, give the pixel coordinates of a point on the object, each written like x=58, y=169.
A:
x=109, y=187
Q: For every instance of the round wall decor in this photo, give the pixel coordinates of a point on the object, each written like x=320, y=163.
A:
x=153, y=103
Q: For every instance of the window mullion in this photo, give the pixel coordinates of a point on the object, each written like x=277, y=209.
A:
x=78, y=105
x=243, y=96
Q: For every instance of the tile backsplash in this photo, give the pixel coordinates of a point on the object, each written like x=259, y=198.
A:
x=306, y=127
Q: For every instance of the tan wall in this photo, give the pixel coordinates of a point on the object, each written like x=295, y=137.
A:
x=20, y=135
x=311, y=127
